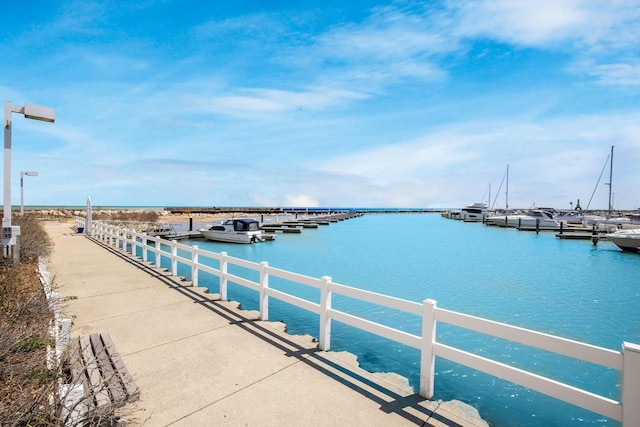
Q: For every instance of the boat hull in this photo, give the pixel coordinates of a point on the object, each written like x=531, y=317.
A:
x=627, y=240
x=232, y=237
x=523, y=223
x=234, y=230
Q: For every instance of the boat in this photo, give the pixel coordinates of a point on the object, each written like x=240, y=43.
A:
x=451, y=214
x=160, y=230
x=475, y=212
x=234, y=230
x=627, y=240
x=571, y=217
x=534, y=219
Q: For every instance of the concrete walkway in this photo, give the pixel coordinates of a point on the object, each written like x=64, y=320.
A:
x=200, y=361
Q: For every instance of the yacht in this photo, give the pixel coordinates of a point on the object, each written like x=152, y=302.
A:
x=235, y=230
x=535, y=219
x=627, y=240
x=475, y=212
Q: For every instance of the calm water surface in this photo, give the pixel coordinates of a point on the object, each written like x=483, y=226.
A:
x=567, y=288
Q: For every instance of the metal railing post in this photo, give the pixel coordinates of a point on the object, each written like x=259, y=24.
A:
x=427, y=356
x=126, y=241
x=264, y=285
x=134, y=244
x=158, y=250
x=194, y=266
x=144, y=247
x=630, y=384
x=324, y=341
x=223, y=276
x=174, y=258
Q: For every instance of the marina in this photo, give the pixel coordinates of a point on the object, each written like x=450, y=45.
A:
x=504, y=282
x=270, y=224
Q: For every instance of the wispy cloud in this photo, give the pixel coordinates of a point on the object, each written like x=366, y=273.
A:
x=405, y=103
x=590, y=31
x=548, y=24
x=620, y=74
x=562, y=156
x=267, y=102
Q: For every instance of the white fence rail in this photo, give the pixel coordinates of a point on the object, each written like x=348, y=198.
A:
x=626, y=361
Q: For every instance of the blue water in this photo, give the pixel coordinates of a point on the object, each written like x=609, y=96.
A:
x=567, y=288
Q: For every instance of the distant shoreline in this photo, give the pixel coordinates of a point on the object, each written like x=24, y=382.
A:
x=66, y=210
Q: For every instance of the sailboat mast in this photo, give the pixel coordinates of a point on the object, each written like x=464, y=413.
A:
x=507, y=192
x=610, y=178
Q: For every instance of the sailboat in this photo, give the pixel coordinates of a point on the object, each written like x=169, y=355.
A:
x=609, y=223
x=505, y=177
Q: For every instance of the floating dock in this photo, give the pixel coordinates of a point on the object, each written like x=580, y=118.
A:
x=291, y=225
x=581, y=233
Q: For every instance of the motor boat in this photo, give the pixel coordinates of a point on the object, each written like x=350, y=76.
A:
x=452, y=214
x=535, y=219
x=612, y=224
x=235, y=230
x=160, y=230
x=573, y=217
x=627, y=240
x=475, y=212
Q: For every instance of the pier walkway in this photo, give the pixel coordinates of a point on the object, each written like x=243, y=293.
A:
x=199, y=361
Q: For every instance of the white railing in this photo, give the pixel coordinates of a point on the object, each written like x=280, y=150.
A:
x=626, y=361
x=60, y=331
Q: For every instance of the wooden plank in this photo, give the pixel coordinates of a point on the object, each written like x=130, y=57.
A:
x=109, y=375
x=126, y=378
x=96, y=388
x=79, y=376
x=78, y=371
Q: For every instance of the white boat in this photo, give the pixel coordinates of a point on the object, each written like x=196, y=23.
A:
x=627, y=240
x=452, y=214
x=535, y=219
x=612, y=224
x=160, y=230
x=475, y=212
x=571, y=217
x=235, y=230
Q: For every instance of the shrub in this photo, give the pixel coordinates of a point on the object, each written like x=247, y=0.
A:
x=24, y=334
x=34, y=240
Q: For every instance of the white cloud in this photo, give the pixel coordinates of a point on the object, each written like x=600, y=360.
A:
x=617, y=74
x=552, y=162
x=590, y=31
x=388, y=79
x=539, y=23
x=266, y=102
x=406, y=161
x=527, y=22
x=301, y=200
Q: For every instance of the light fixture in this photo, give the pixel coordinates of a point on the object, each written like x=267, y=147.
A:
x=30, y=111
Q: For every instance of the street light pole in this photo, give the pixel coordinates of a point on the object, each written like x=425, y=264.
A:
x=22, y=174
x=30, y=111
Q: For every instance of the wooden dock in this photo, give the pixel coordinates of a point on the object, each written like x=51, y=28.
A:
x=581, y=233
x=282, y=228
x=288, y=226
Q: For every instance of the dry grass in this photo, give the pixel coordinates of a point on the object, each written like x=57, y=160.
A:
x=142, y=216
x=29, y=387
x=25, y=381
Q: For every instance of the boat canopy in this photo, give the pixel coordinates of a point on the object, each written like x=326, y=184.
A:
x=246, y=225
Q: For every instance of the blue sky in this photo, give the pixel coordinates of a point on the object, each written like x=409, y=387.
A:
x=324, y=103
